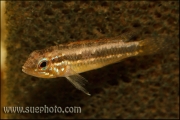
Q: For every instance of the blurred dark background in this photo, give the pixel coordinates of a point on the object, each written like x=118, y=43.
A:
x=138, y=87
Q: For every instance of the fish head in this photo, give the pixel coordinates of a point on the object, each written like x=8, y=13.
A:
x=39, y=64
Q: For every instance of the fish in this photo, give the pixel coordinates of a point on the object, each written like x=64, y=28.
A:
x=70, y=59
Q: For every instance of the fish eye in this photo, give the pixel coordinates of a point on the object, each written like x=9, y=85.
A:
x=43, y=64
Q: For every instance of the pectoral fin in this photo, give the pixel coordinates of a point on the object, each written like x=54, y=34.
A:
x=79, y=82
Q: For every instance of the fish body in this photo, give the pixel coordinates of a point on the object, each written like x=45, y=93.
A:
x=70, y=59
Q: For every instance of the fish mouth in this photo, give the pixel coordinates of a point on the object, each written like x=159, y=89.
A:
x=35, y=73
x=24, y=69
x=28, y=71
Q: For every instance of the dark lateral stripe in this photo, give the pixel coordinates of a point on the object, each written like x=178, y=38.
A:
x=100, y=53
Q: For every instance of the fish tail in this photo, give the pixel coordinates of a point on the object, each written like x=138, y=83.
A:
x=153, y=45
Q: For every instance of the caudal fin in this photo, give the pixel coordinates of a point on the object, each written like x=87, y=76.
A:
x=154, y=44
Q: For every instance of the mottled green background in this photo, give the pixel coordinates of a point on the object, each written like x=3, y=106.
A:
x=139, y=87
